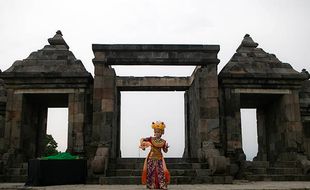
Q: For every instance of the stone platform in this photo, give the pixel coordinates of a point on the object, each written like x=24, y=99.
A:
x=243, y=185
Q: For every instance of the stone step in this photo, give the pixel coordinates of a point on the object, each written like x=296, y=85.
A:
x=16, y=178
x=182, y=171
x=141, y=160
x=24, y=165
x=169, y=165
x=180, y=160
x=173, y=172
x=260, y=164
x=16, y=174
x=174, y=180
x=17, y=171
x=259, y=170
x=93, y=179
x=286, y=164
x=187, y=166
x=267, y=177
x=126, y=160
x=2, y=179
x=277, y=171
x=124, y=172
x=125, y=166
x=285, y=171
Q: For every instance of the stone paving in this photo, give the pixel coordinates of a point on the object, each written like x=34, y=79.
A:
x=296, y=185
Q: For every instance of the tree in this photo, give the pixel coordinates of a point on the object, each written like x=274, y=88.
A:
x=50, y=146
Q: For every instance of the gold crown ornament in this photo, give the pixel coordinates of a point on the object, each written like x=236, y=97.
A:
x=159, y=126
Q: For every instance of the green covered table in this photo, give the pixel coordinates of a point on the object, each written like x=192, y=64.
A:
x=57, y=170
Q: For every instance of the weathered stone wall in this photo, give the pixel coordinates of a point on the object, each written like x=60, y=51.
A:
x=230, y=121
x=202, y=111
x=209, y=105
x=2, y=114
x=104, y=108
x=88, y=120
x=77, y=120
x=292, y=125
x=283, y=128
x=191, y=120
x=13, y=120
x=261, y=135
x=33, y=127
x=153, y=83
x=304, y=98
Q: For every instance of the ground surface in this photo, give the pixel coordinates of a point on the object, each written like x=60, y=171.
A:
x=237, y=185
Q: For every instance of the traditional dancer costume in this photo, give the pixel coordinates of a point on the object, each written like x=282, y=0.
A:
x=155, y=174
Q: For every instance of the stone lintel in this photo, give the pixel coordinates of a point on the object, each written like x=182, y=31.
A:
x=156, y=61
x=148, y=54
x=45, y=81
x=154, y=47
x=153, y=83
x=31, y=75
x=262, y=91
x=265, y=84
x=46, y=91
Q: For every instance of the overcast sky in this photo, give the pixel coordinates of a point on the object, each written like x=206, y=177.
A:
x=281, y=27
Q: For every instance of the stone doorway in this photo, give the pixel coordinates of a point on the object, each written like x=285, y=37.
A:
x=201, y=96
x=140, y=108
x=269, y=122
x=34, y=119
x=249, y=132
x=57, y=126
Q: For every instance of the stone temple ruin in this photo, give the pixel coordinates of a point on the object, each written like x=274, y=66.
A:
x=54, y=77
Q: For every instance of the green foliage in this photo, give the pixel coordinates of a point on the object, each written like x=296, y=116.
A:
x=50, y=146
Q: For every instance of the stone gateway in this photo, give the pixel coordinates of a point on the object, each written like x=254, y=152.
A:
x=253, y=78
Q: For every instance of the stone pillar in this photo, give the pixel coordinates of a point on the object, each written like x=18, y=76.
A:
x=104, y=125
x=209, y=105
x=291, y=123
x=208, y=121
x=192, y=140
x=186, y=153
x=13, y=122
x=202, y=122
x=283, y=128
x=77, y=107
x=304, y=100
x=3, y=99
x=294, y=128
x=232, y=121
x=34, y=121
x=261, y=135
x=40, y=125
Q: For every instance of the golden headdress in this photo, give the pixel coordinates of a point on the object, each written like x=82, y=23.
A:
x=159, y=126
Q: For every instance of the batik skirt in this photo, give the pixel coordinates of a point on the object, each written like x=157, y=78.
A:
x=155, y=174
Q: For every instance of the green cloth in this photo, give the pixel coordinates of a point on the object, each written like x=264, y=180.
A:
x=61, y=156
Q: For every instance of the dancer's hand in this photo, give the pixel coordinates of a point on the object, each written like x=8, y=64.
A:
x=143, y=145
x=167, y=146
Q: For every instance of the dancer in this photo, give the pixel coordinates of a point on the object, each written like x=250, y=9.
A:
x=155, y=174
